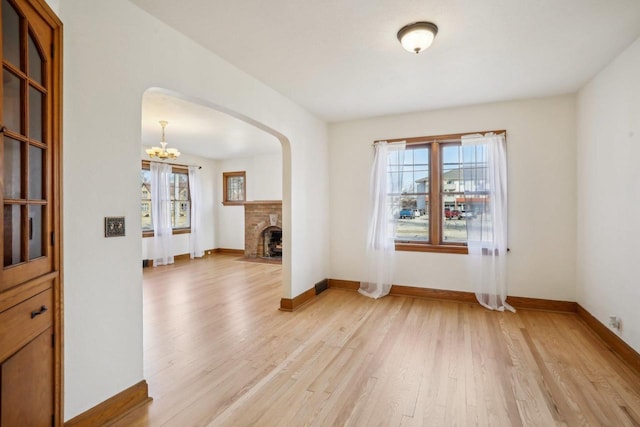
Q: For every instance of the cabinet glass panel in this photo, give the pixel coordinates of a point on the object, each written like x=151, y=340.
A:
x=36, y=168
x=12, y=165
x=35, y=113
x=10, y=34
x=36, y=215
x=35, y=62
x=12, y=235
x=12, y=102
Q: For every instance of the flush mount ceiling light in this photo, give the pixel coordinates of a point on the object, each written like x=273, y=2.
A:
x=162, y=152
x=418, y=36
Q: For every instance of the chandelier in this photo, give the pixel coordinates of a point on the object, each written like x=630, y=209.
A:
x=162, y=152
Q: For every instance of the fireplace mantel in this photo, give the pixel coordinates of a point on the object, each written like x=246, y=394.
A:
x=264, y=202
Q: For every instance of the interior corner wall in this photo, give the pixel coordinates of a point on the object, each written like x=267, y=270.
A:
x=542, y=196
x=113, y=52
x=263, y=182
x=608, y=140
x=208, y=183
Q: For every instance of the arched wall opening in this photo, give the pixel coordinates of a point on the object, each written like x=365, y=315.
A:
x=286, y=170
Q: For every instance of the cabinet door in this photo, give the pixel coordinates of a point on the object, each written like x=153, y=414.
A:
x=27, y=385
x=26, y=149
x=30, y=213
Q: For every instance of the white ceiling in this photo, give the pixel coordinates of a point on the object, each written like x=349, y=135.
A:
x=200, y=130
x=341, y=60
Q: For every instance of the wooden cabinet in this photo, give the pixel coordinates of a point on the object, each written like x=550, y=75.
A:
x=27, y=376
x=30, y=248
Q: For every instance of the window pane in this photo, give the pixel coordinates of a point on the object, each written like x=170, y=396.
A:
x=454, y=229
x=464, y=190
x=454, y=226
x=182, y=182
x=12, y=163
x=35, y=113
x=36, y=214
x=36, y=168
x=12, y=235
x=172, y=186
x=145, y=195
x=147, y=224
x=181, y=214
x=409, y=171
x=235, y=188
x=35, y=62
x=413, y=222
x=12, y=101
x=10, y=34
x=180, y=206
x=408, y=186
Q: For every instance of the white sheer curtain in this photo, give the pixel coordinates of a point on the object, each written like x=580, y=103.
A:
x=195, y=238
x=382, y=220
x=161, y=213
x=485, y=192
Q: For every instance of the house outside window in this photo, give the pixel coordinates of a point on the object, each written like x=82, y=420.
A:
x=234, y=188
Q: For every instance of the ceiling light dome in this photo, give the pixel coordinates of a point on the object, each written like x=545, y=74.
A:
x=418, y=36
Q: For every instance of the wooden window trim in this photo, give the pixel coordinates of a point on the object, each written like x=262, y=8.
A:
x=146, y=164
x=435, y=143
x=151, y=233
x=425, y=247
x=225, y=176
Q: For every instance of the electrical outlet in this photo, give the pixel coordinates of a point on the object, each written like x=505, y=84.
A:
x=614, y=322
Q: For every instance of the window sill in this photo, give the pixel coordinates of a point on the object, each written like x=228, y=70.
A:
x=421, y=247
x=176, y=231
x=239, y=203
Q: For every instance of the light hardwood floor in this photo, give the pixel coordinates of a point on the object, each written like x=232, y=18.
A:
x=218, y=352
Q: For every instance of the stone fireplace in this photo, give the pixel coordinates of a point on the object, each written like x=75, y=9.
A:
x=263, y=229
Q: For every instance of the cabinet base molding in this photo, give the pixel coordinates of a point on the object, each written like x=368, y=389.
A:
x=113, y=408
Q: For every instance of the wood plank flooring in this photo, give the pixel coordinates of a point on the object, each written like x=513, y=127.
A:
x=218, y=352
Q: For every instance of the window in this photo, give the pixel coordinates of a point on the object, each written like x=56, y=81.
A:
x=180, y=203
x=180, y=200
x=147, y=224
x=234, y=188
x=427, y=191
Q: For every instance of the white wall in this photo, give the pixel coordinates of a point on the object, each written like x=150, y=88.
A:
x=113, y=52
x=608, y=117
x=542, y=200
x=54, y=5
x=208, y=178
x=264, y=182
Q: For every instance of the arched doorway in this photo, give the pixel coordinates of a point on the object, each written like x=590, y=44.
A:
x=150, y=133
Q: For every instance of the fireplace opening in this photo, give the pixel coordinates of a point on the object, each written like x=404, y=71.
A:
x=270, y=243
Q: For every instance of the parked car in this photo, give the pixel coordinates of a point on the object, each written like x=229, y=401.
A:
x=409, y=213
x=452, y=214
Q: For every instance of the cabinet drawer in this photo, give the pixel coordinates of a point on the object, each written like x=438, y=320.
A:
x=23, y=322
